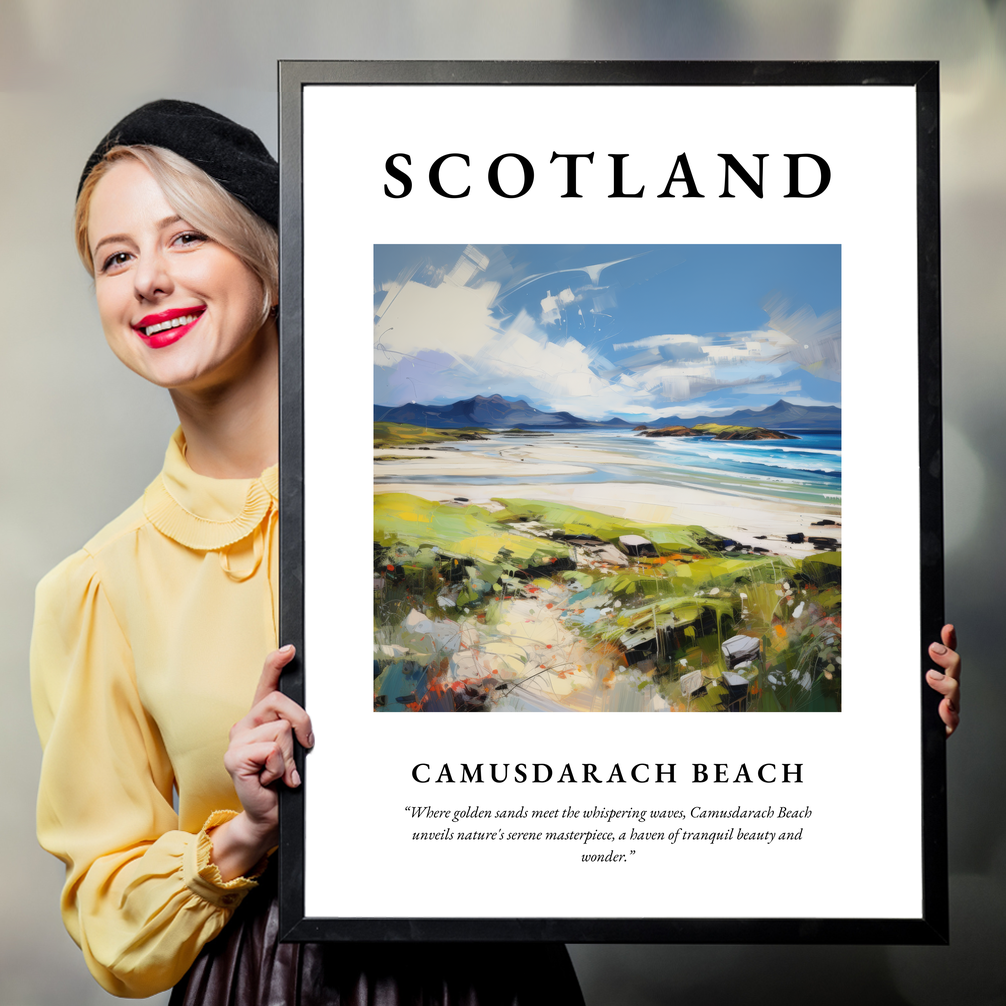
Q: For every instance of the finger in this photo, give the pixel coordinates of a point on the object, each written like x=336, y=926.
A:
x=276, y=706
x=945, y=685
x=949, y=636
x=949, y=708
x=278, y=732
x=274, y=766
x=271, y=670
x=950, y=716
x=261, y=760
x=948, y=659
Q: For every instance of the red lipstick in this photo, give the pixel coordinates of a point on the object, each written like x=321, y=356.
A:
x=166, y=327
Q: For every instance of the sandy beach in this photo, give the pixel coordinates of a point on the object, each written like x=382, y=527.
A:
x=754, y=521
x=448, y=463
x=513, y=459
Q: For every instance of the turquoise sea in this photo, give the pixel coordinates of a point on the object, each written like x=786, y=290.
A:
x=808, y=469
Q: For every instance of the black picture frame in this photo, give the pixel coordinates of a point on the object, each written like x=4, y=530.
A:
x=931, y=927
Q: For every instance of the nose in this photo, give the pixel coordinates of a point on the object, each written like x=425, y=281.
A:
x=152, y=276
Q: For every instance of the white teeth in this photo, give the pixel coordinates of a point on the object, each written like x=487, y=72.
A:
x=174, y=323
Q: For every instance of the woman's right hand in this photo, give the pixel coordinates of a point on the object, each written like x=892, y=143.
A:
x=948, y=681
x=259, y=754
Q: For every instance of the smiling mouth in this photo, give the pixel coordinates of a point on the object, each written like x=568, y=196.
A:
x=165, y=324
x=185, y=319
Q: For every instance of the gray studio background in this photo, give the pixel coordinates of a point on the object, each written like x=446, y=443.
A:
x=82, y=437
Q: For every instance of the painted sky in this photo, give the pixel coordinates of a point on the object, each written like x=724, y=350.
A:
x=637, y=331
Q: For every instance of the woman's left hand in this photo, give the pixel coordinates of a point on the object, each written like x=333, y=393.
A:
x=947, y=682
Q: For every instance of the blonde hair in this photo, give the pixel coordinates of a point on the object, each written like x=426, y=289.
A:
x=199, y=200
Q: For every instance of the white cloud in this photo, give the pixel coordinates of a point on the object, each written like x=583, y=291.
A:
x=654, y=341
x=433, y=342
x=514, y=357
x=552, y=306
x=457, y=320
x=812, y=342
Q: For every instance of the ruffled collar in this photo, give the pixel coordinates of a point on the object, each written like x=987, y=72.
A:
x=203, y=513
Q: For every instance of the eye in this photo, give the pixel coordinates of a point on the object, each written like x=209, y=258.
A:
x=115, y=261
x=189, y=239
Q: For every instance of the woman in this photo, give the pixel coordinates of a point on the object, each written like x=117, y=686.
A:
x=148, y=643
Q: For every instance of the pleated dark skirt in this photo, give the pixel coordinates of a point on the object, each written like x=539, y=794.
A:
x=246, y=965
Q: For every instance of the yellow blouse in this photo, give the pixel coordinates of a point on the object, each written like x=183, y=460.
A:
x=147, y=647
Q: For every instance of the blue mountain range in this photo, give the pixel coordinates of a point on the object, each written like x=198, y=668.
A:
x=496, y=411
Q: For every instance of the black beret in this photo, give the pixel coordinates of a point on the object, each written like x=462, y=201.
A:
x=230, y=154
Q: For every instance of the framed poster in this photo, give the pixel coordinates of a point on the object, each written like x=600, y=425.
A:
x=650, y=353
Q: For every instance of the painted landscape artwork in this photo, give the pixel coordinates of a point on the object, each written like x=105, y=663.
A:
x=607, y=478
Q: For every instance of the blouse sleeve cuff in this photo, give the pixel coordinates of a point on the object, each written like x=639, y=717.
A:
x=202, y=876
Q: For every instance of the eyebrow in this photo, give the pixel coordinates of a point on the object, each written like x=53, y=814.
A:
x=160, y=225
